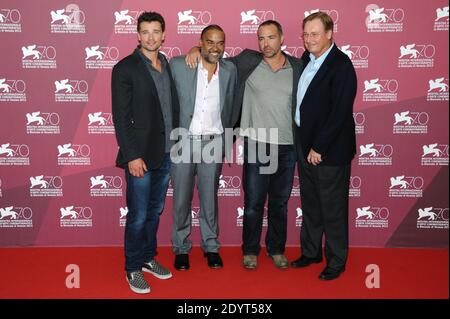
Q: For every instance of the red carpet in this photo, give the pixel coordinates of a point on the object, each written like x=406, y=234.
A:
x=404, y=273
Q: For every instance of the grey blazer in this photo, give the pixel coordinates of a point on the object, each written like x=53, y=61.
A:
x=185, y=80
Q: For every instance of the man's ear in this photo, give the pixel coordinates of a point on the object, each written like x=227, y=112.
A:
x=329, y=34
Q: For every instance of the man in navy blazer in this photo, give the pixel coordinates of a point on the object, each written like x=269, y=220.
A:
x=325, y=143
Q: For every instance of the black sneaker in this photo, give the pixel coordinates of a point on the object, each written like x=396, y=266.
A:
x=156, y=269
x=137, y=282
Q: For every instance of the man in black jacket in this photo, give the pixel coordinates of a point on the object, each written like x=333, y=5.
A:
x=145, y=109
x=325, y=144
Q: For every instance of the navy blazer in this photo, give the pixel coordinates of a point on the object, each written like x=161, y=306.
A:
x=326, y=112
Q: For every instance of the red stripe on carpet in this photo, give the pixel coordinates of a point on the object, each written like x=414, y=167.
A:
x=404, y=273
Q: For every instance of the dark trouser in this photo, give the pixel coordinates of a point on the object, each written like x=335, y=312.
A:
x=324, y=196
x=257, y=186
x=145, y=202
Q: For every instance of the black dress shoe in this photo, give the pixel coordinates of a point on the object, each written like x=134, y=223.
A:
x=304, y=261
x=182, y=262
x=214, y=260
x=330, y=273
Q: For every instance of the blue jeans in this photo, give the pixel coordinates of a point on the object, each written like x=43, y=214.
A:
x=257, y=187
x=145, y=201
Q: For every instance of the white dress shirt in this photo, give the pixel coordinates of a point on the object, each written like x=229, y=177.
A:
x=206, y=119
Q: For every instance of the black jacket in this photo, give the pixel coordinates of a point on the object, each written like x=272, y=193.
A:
x=137, y=115
x=326, y=112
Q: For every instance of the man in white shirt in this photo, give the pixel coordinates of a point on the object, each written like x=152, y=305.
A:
x=266, y=94
x=206, y=110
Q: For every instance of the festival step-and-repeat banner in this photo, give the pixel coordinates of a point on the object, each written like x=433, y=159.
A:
x=58, y=182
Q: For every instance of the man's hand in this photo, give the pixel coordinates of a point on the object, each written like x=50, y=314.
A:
x=193, y=57
x=137, y=167
x=314, y=158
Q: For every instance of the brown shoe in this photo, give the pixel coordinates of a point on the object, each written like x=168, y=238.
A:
x=250, y=261
x=280, y=261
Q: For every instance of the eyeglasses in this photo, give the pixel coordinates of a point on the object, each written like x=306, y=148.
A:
x=313, y=35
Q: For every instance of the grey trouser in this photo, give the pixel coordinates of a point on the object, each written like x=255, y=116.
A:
x=183, y=179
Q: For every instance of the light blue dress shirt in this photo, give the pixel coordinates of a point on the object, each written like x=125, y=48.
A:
x=307, y=76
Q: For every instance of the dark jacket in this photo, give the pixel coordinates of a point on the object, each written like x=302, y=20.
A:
x=137, y=115
x=326, y=112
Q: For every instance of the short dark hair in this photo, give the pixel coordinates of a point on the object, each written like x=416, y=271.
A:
x=211, y=27
x=272, y=22
x=150, y=16
x=322, y=16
